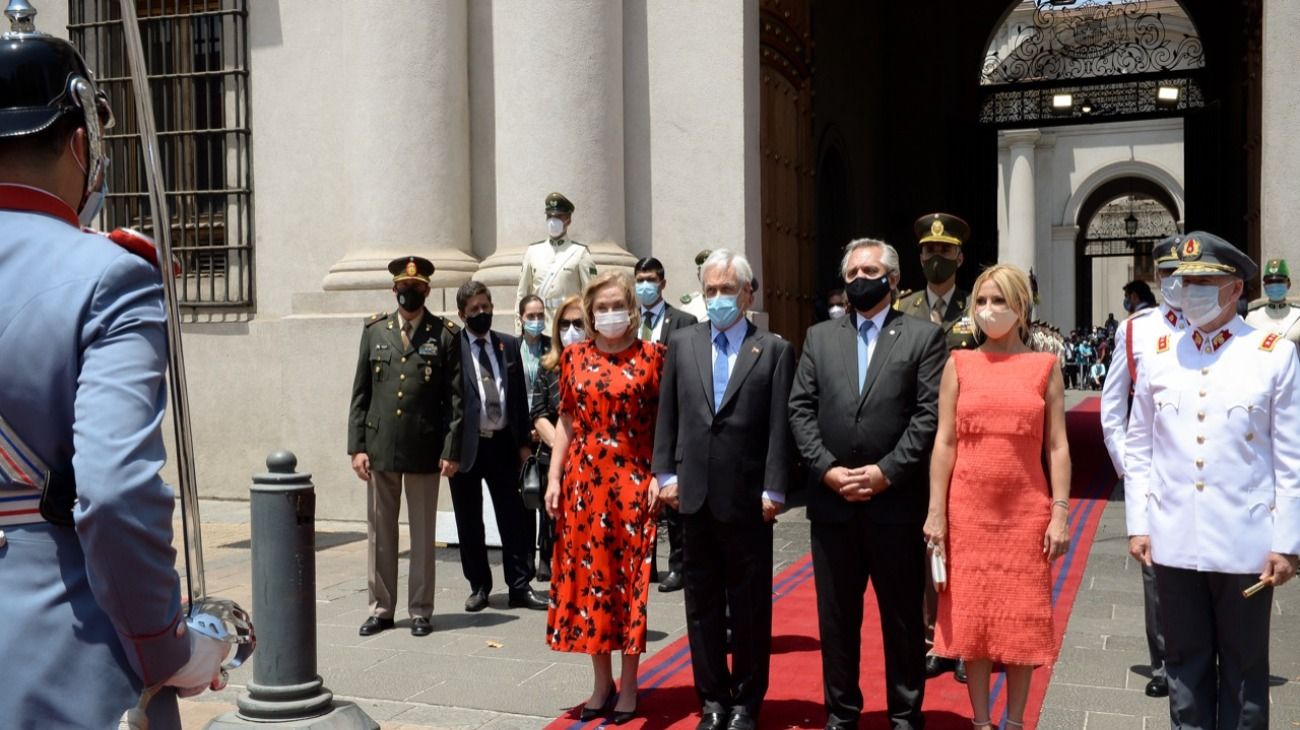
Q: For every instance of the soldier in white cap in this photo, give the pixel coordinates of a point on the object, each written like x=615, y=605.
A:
x=558, y=267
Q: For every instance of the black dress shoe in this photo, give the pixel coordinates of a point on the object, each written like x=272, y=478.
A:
x=477, y=601
x=671, y=582
x=621, y=717
x=587, y=714
x=1158, y=687
x=530, y=599
x=420, y=626
x=374, y=625
x=936, y=665
x=712, y=721
x=740, y=721
x=959, y=673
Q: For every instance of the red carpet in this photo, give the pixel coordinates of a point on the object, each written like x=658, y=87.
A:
x=794, y=699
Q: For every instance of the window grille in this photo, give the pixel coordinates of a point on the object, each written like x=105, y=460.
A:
x=196, y=53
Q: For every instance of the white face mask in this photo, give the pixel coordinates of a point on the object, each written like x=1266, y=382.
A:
x=554, y=227
x=613, y=324
x=1201, y=304
x=836, y=312
x=572, y=335
x=1171, y=290
x=996, y=323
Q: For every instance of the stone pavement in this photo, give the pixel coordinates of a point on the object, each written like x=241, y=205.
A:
x=493, y=670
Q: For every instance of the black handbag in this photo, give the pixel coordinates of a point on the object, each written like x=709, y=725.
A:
x=530, y=483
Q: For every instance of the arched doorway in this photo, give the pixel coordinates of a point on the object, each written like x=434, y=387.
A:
x=1118, y=223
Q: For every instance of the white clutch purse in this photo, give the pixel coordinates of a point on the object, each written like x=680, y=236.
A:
x=938, y=570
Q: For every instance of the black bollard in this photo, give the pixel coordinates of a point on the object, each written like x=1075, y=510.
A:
x=286, y=689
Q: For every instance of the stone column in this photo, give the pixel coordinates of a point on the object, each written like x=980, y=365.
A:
x=1281, y=117
x=405, y=163
x=558, y=99
x=1019, y=247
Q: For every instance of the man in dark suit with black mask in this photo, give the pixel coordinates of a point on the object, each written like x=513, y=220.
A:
x=659, y=320
x=863, y=410
x=722, y=455
x=495, y=441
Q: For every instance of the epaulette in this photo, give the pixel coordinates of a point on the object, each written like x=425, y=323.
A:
x=376, y=318
x=1269, y=342
x=450, y=325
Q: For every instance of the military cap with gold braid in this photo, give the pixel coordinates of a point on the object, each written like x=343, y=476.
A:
x=411, y=268
x=702, y=256
x=1276, y=269
x=1165, y=253
x=557, y=203
x=1205, y=254
x=941, y=228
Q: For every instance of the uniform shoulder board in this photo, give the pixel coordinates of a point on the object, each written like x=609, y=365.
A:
x=1162, y=343
x=376, y=318
x=450, y=325
x=1269, y=342
x=686, y=299
x=140, y=245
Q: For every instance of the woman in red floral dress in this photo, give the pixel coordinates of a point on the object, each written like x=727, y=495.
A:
x=603, y=495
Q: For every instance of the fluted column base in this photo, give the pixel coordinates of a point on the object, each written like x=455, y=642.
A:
x=368, y=269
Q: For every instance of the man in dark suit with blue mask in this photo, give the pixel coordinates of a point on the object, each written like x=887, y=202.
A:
x=495, y=442
x=90, y=608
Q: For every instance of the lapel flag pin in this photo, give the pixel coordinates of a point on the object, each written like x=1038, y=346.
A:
x=755, y=350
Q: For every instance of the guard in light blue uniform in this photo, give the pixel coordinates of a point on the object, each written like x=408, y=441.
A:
x=89, y=595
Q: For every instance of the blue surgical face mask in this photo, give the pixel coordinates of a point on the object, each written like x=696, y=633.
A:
x=647, y=292
x=1275, y=292
x=723, y=310
x=534, y=327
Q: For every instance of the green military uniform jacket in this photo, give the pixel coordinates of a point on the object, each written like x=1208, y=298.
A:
x=958, y=332
x=406, y=402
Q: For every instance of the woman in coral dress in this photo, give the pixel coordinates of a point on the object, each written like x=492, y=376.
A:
x=993, y=516
x=602, y=494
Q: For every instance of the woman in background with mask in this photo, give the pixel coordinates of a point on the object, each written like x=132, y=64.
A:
x=995, y=518
x=601, y=493
x=534, y=346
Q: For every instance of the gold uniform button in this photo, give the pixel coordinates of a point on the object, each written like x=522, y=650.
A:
x=403, y=359
x=1204, y=392
x=399, y=394
x=1205, y=371
x=1200, y=463
x=1201, y=439
x=403, y=377
x=376, y=368
x=1200, y=415
x=399, y=411
x=1250, y=436
x=1200, y=486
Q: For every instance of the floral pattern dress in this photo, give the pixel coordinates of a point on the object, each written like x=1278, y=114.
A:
x=605, y=532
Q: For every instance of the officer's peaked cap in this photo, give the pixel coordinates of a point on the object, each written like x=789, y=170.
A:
x=1205, y=254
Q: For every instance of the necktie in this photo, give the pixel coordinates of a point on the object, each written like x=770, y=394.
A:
x=864, y=331
x=647, y=324
x=720, y=371
x=936, y=312
x=406, y=335
x=491, y=397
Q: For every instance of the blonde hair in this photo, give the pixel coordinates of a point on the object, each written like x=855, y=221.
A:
x=610, y=278
x=1014, y=284
x=551, y=360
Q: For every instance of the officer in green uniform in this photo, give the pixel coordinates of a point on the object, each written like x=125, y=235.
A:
x=693, y=303
x=404, y=430
x=941, y=236
x=558, y=267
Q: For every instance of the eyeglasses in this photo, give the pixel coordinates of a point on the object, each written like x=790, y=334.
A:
x=567, y=323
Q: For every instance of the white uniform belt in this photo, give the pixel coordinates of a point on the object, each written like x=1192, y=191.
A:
x=20, y=507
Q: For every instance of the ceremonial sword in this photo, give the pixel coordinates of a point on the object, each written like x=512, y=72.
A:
x=218, y=618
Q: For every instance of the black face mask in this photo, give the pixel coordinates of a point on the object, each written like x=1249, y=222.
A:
x=412, y=300
x=939, y=269
x=479, y=323
x=864, y=293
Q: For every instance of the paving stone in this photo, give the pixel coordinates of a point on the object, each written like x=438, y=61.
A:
x=1092, y=667
x=1107, y=721
x=443, y=717
x=1067, y=696
x=1054, y=718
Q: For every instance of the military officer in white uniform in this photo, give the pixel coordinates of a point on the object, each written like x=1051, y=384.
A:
x=1134, y=340
x=1275, y=313
x=693, y=303
x=558, y=267
x=1212, y=471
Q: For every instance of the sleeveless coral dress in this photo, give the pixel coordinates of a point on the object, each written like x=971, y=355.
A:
x=998, y=604
x=605, y=533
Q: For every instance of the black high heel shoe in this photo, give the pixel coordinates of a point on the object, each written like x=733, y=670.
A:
x=624, y=716
x=591, y=713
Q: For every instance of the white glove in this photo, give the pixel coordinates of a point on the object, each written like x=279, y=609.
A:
x=203, y=670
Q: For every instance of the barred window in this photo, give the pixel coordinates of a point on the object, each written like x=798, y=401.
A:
x=196, y=53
